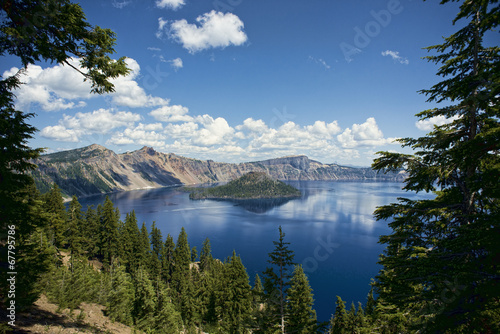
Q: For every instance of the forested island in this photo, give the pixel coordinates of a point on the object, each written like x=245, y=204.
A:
x=253, y=185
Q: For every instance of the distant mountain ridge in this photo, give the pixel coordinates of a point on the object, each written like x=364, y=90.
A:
x=95, y=169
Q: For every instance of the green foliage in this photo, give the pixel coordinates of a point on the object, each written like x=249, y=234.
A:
x=120, y=303
x=109, y=218
x=301, y=315
x=167, y=259
x=251, y=185
x=145, y=301
x=69, y=286
x=155, y=265
x=338, y=323
x=55, y=210
x=182, y=255
x=441, y=261
x=55, y=31
x=34, y=251
x=167, y=320
x=370, y=303
x=276, y=284
x=236, y=297
x=129, y=241
x=90, y=233
x=73, y=233
x=144, y=251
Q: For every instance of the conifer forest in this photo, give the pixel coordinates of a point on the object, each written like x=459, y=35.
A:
x=439, y=271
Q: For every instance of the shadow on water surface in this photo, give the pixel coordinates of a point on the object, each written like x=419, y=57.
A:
x=259, y=205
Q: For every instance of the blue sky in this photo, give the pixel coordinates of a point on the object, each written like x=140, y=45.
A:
x=241, y=80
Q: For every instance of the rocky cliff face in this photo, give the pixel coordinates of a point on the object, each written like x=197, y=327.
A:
x=95, y=169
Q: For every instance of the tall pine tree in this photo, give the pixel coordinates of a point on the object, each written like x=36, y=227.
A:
x=31, y=32
x=130, y=242
x=167, y=259
x=338, y=323
x=91, y=232
x=121, y=297
x=109, y=218
x=276, y=284
x=156, y=253
x=441, y=261
x=237, y=298
x=301, y=315
x=73, y=232
x=205, y=255
x=56, y=215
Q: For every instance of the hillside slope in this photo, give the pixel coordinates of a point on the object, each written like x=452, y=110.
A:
x=95, y=169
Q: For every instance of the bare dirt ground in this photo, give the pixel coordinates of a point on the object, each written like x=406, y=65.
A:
x=89, y=318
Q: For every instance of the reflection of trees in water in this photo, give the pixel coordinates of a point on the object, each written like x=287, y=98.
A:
x=260, y=205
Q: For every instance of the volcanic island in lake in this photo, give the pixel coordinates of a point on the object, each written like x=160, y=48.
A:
x=253, y=185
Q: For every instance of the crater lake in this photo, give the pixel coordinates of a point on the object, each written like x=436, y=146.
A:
x=331, y=229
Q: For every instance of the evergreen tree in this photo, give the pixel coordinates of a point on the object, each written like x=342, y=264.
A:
x=360, y=317
x=35, y=253
x=109, y=218
x=145, y=301
x=144, y=251
x=182, y=258
x=46, y=31
x=441, y=260
x=301, y=315
x=156, y=252
x=130, y=242
x=91, y=232
x=69, y=287
x=56, y=214
x=194, y=254
x=338, y=323
x=205, y=255
x=167, y=259
x=352, y=319
x=167, y=320
x=73, y=233
x=237, y=297
x=276, y=284
x=186, y=300
x=121, y=297
x=258, y=291
x=370, y=303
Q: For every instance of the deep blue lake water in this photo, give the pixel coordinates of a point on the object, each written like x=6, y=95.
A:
x=331, y=230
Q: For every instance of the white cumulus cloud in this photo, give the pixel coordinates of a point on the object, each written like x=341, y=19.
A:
x=102, y=121
x=365, y=134
x=55, y=88
x=60, y=133
x=214, y=132
x=171, y=4
x=428, y=124
x=142, y=134
x=175, y=113
x=176, y=63
x=396, y=57
x=61, y=87
x=214, y=29
x=128, y=92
